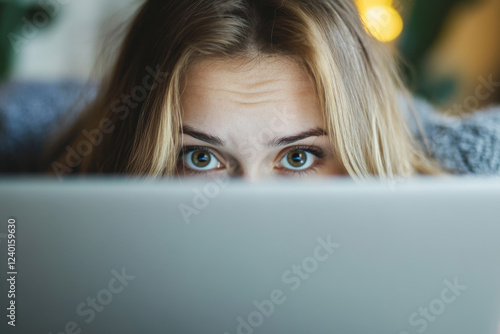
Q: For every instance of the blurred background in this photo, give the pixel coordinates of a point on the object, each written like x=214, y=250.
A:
x=56, y=39
x=451, y=47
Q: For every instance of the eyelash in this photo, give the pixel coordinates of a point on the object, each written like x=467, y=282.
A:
x=311, y=149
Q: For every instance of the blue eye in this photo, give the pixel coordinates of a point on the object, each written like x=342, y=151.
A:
x=201, y=160
x=298, y=160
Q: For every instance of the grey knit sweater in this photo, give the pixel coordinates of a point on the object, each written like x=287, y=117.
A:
x=31, y=112
x=465, y=145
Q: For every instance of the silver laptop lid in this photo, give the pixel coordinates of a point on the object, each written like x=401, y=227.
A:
x=331, y=256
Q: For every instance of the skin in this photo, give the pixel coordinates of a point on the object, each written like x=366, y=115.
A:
x=246, y=107
x=251, y=120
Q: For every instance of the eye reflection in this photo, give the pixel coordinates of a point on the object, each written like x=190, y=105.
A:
x=201, y=160
x=298, y=160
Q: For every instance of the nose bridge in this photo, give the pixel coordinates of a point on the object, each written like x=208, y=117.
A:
x=252, y=178
x=255, y=173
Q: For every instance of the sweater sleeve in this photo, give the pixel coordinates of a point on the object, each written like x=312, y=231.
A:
x=465, y=145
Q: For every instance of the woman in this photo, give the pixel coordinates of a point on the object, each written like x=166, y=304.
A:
x=248, y=88
x=252, y=89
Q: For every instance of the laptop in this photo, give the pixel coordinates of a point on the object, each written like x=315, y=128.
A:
x=101, y=255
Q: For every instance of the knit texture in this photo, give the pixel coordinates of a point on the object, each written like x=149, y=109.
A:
x=31, y=113
x=465, y=145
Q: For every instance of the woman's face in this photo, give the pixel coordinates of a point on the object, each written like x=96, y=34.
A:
x=254, y=121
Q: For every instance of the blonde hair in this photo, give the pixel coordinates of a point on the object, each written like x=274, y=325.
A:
x=356, y=79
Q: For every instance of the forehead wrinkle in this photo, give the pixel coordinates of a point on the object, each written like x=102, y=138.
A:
x=211, y=73
x=242, y=94
x=236, y=105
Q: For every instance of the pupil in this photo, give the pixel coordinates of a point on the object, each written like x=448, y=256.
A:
x=297, y=159
x=201, y=159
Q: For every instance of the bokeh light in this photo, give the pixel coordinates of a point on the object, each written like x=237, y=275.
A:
x=380, y=19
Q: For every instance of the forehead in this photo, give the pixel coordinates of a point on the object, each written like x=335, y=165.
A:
x=240, y=97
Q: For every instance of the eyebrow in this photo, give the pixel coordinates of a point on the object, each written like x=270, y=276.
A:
x=315, y=132
x=213, y=140
x=277, y=142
